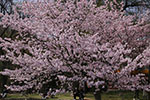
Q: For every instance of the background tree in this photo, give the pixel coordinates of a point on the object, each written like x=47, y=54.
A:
x=6, y=6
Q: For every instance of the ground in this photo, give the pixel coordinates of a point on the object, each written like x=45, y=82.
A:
x=111, y=95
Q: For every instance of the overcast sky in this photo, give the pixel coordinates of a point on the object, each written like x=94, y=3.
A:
x=17, y=0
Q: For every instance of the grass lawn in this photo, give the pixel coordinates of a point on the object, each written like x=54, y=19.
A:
x=111, y=95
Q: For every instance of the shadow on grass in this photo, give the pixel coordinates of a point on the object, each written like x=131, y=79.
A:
x=23, y=99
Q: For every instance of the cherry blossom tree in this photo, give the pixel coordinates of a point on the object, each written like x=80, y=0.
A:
x=72, y=41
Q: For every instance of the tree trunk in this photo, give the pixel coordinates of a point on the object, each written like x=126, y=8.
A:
x=97, y=95
x=121, y=94
x=136, y=95
x=148, y=95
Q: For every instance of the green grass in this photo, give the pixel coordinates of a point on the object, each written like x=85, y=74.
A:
x=111, y=95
